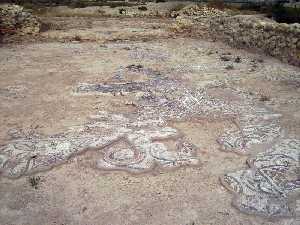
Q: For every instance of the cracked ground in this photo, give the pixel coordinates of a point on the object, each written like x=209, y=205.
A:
x=124, y=122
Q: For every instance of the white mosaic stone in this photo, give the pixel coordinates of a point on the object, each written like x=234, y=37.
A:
x=143, y=151
x=264, y=189
x=159, y=99
x=168, y=100
x=11, y=92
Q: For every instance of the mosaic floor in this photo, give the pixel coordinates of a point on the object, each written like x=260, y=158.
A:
x=145, y=139
x=270, y=185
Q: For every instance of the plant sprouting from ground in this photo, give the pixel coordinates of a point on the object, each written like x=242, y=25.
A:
x=34, y=181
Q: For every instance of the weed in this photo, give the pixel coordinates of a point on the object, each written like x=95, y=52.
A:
x=77, y=38
x=191, y=223
x=142, y=8
x=225, y=58
x=237, y=59
x=35, y=181
x=135, y=67
x=122, y=11
x=78, y=4
x=264, y=98
x=177, y=8
x=229, y=67
x=217, y=4
x=284, y=14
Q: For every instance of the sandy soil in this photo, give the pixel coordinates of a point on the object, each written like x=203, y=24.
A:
x=43, y=75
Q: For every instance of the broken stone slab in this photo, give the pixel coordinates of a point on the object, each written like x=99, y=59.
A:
x=265, y=188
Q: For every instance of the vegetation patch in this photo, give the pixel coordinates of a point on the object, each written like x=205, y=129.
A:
x=34, y=181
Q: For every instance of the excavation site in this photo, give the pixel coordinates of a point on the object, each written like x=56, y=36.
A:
x=149, y=112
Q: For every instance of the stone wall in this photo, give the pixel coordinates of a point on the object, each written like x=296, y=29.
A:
x=244, y=31
x=68, y=2
x=14, y=20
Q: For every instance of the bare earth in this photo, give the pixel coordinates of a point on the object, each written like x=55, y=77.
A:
x=37, y=82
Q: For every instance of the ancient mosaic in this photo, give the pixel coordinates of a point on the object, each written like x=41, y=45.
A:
x=270, y=186
x=141, y=141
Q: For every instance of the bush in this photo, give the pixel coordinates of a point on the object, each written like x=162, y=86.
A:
x=217, y=4
x=284, y=14
x=78, y=4
x=142, y=8
x=251, y=6
x=279, y=12
x=177, y=8
x=122, y=11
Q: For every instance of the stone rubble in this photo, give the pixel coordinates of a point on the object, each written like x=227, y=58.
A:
x=280, y=40
x=15, y=20
x=197, y=11
x=276, y=39
x=198, y=15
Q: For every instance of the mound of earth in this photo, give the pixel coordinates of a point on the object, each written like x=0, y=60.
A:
x=15, y=20
x=198, y=11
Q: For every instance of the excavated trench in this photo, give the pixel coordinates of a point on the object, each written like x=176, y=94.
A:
x=91, y=112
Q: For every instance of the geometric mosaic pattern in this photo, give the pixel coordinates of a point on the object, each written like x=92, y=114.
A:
x=268, y=187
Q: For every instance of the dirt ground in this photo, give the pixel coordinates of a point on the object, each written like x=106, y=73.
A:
x=36, y=83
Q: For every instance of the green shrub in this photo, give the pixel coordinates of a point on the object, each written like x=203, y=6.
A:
x=251, y=6
x=35, y=181
x=177, y=7
x=217, y=4
x=142, y=8
x=78, y=4
x=284, y=14
x=280, y=13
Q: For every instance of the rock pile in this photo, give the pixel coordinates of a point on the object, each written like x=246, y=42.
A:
x=183, y=24
x=14, y=20
x=199, y=12
x=193, y=14
x=276, y=39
